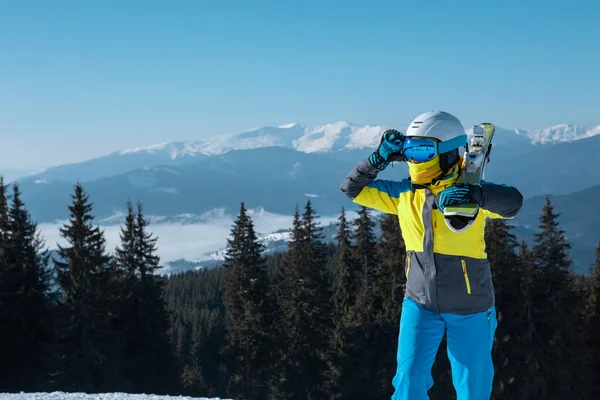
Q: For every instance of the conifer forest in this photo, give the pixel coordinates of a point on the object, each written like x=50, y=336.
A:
x=318, y=321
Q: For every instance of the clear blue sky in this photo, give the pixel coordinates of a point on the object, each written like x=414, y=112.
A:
x=82, y=78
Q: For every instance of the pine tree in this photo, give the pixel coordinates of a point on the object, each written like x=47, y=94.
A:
x=390, y=278
x=348, y=272
x=125, y=254
x=4, y=231
x=86, y=350
x=513, y=306
x=6, y=317
x=148, y=340
x=365, y=338
x=366, y=253
x=124, y=269
x=126, y=323
x=194, y=299
x=26, y=301
x=305, y=325
x=535, y=382
x=247, y=297
x=593, y=328
x=555, y=310
x=3, y=216
x=389, y=273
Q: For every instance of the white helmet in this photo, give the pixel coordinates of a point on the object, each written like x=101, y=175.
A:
x=439, y=125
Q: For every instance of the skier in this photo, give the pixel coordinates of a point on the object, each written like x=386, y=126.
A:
x=449, y=283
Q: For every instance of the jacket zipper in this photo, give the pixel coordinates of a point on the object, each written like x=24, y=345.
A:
x=408, y=257
x=466, y=275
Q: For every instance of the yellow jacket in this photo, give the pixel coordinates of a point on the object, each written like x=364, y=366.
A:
x=446, y=271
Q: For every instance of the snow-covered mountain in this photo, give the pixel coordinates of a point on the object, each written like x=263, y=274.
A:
x=341, y=140
x=339, y=136
x=277, y=178
x=274, y=178
x=307, y=139
x=562, y=133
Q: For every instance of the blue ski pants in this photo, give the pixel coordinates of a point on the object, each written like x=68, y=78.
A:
x=469, y=339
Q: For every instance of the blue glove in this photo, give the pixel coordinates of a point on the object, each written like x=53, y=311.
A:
x=390, y=149
x=461, y=193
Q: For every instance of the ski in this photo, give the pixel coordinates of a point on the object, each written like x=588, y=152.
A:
x=477, y=155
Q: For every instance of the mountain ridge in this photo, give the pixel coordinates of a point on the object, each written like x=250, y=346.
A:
x=196, y=187
x=362, y=136
x=340, y=139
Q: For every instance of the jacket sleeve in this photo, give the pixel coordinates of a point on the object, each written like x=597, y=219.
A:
x=362, y=187
x=500, y=201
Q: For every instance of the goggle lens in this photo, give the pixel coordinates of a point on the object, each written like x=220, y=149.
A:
x=419, y=149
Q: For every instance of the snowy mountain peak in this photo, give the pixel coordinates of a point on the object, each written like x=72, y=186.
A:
x=287, y=126
x=335, y=136
x=172, y=149
x=148, y=149
x=562, y=133
x=554, y=134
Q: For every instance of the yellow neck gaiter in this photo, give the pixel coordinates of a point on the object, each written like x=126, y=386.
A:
x=424, y=173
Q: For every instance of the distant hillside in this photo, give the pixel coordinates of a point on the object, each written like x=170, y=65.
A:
x=555, y=168
x=579, y=218
x=274, y=178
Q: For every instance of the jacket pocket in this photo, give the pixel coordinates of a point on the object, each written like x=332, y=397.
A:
x=466, y=276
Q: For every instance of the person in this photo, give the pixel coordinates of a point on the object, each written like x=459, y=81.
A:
x=449, y=286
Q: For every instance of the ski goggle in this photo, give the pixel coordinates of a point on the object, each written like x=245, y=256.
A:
x=421, y=149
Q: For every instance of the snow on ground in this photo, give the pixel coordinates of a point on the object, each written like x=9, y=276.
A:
x=101, y=396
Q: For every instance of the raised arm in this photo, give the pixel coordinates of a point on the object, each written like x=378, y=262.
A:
x=361, y=185
x=502, y=201
x=360, y=176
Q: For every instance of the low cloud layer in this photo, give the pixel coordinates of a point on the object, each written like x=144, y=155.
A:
x=181, y=240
